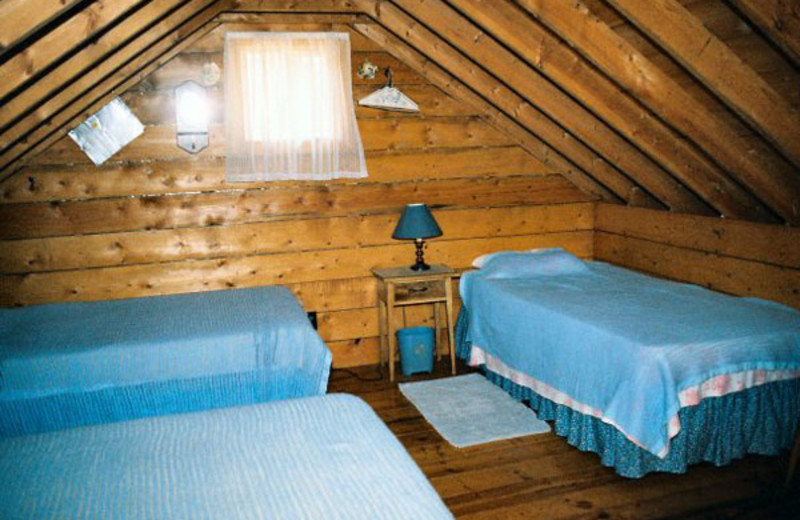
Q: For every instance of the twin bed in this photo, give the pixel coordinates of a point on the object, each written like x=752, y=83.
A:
x=652, y=375
x=93, y=425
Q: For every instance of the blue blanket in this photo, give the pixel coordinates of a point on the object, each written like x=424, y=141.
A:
x=327, y=457
x=618, y=341
x=165, y=342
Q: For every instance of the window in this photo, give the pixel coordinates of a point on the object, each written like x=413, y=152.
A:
x=289, y=111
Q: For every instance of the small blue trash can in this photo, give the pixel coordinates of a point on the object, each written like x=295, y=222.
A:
x=416, y=349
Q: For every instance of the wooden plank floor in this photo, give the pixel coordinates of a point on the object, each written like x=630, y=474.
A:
x=542, y=477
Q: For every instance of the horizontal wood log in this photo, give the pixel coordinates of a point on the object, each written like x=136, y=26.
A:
x=189, y=66
x=159, y=142
x=158, y=107
x=337, y=295
x=355, y=352
x=196, y=174
x=228, y=207
x=292, y=6
x=287, y=268
x=214, y=41
x=723, y=273
x=129, y=248
x=769, y=244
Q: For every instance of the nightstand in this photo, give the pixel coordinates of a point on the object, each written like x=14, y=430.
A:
x=400, y=286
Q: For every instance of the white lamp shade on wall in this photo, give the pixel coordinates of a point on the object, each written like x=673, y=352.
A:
x=191, y=116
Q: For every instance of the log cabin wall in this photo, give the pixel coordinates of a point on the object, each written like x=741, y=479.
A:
x=154, y=220
x=736, y=257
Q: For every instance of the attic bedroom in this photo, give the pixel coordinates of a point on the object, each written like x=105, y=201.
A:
x=305, y=259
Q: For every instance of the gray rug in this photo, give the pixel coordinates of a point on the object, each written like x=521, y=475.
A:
x=469, y=410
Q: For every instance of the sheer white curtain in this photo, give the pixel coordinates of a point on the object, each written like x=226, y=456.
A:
x=289, y=111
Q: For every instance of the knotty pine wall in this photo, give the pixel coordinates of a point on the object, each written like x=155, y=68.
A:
x=156, y=220
x=735, y=257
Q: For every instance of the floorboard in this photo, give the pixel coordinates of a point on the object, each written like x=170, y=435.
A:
x=542, y=477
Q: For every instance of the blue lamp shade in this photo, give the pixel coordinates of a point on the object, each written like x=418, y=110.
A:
x=417, y=222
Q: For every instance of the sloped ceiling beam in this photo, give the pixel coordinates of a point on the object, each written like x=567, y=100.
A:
x=515, y=29
x=448, y=83
x=44, y=98
x=536, y=90
x=719, y=68
x=21, y=18
x=779, y=20
x=771, y=179
x=106, y=78
x=431, y=45
x=41, y=54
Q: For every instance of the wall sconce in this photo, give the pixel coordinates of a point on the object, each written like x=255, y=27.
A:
x=417, y=224
x=191, y=116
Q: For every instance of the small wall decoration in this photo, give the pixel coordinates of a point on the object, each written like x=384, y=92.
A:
x=107, y=131
x=367, y=70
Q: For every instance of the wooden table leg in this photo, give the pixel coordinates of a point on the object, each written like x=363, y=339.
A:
x=391, y=330
x=382, y=332
x=450, y=335
x=437, y=322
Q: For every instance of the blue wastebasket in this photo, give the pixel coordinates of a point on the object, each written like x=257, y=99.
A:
x=416, y=349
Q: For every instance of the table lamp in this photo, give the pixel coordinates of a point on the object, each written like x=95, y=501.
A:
x=417, y=224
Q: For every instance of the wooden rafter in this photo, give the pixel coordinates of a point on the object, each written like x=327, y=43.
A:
x=40, y=55
x=515, y=29
x=140, y=57
x=536, y=89
x=448, y=83
x=719, y=68
x=770, y=178
x=779, y=20
x=42, y=99
x=507, y=101
x=21, y=18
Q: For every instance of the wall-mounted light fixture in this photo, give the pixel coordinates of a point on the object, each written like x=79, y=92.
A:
x=389, y=98
x=191, y=116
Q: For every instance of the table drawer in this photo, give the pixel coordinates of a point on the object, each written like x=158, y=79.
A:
x=419, y=290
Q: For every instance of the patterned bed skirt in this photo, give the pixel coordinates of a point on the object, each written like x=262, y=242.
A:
x=760, y=420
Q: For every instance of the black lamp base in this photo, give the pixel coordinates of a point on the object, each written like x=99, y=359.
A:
x=420, y=265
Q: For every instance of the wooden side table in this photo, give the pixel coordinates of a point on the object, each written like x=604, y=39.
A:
x=400, y=286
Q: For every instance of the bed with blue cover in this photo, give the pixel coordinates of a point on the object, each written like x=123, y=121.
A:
x=324, y=457
x=652, y=375
x=72, y=364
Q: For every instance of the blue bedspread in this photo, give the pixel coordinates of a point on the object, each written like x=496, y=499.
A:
x=621, y=342
x=326, y=457
x=74, y=349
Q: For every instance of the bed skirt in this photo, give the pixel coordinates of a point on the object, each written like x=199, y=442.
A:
x=760, y=420
x=121, y=403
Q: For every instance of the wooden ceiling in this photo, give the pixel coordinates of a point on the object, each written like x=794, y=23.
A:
x=685, y=105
